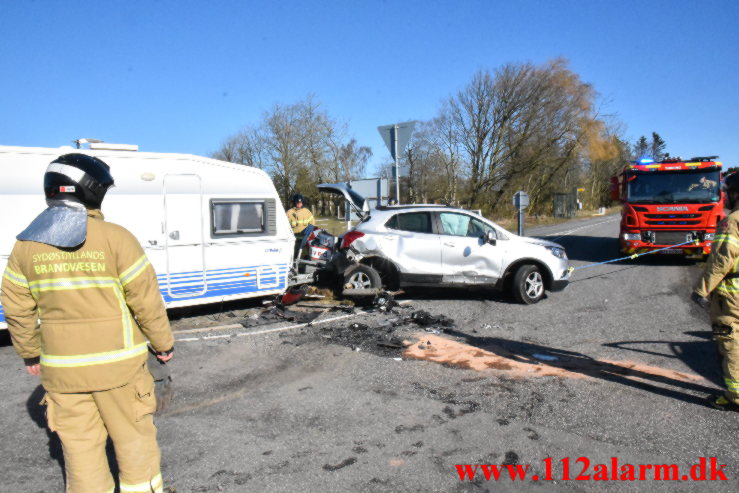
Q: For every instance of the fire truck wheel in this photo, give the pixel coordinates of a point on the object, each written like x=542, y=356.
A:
x=528, y=285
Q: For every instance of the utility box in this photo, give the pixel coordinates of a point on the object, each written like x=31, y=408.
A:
x=565, y=204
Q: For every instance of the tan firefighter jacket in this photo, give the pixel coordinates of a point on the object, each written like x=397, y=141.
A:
x=97, y=305
x=299, y=219
x=721, y=275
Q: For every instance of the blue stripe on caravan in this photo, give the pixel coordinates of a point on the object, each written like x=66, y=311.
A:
x=226, y=280
x=230, y=286
x=195, y=276
x=222, y=282
x=221, y=271
x=224, y=285
x=218, y=292
x=220, y=275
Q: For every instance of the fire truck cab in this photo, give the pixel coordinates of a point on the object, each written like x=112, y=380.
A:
x=673, y=203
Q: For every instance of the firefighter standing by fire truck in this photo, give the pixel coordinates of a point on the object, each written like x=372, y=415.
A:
x=720, y=282
x=300, y=217
x=91, y=287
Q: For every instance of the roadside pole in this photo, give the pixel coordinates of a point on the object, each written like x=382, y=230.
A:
x=520, y=202
x=396, y=137
x=397, y=164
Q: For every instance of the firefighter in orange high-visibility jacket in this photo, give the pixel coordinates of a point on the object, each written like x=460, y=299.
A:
x=718, y=288
x=81, y=300
x=300, y=217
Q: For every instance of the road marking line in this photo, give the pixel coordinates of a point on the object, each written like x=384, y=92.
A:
x=566, y=233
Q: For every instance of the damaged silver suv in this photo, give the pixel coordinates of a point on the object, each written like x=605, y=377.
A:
x=436, y=245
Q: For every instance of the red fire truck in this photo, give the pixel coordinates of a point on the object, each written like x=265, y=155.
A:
x=668, y=203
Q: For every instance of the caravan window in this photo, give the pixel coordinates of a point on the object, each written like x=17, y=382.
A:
x=232, y=217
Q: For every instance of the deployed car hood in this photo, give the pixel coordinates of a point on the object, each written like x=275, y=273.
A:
x=358, y=203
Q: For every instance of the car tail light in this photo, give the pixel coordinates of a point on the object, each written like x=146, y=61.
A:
x=349, y=238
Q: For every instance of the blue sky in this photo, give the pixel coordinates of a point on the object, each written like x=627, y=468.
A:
x=181, y=76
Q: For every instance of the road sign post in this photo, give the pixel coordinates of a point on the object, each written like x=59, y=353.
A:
x=520, y=202
x=396, y=137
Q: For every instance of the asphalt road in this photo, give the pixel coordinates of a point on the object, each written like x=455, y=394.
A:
x=300, y=409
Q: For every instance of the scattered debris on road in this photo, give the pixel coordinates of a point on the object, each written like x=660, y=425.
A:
x=278, y=313
x=425, y=319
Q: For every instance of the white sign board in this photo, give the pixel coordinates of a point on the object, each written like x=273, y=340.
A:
x=520, y=200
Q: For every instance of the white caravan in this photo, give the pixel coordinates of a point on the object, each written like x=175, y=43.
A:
x=214, y=231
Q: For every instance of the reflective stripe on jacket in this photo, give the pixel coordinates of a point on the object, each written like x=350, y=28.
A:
x=97, y=305
x=299, y=219
x=721, y=274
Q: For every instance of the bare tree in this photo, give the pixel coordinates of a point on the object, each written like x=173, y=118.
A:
x=300, y=145
x=522, y=125
x=245, y=147
x=446, y=142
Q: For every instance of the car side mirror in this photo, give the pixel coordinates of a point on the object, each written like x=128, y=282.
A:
x=491, y=238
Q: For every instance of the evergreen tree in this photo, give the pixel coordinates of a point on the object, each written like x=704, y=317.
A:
x=658, y=147
x=641, y=149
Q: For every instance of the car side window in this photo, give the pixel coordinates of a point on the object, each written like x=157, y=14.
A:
x=416, y=222
x=463, y=225
x=454, y=224
x=478, y=228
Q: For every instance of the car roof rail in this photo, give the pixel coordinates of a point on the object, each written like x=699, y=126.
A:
x=411, y=206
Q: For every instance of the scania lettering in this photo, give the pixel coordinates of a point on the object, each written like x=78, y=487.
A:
x=669, y=203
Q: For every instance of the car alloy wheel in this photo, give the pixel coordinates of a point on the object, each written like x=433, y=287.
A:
x=359, y=280
x=362, y=277
x=534, y=285
x=528, y=284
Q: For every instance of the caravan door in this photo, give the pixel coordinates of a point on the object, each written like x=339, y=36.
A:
x=184, y=236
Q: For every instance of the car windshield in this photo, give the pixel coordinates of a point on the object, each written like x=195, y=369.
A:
x=674, y=187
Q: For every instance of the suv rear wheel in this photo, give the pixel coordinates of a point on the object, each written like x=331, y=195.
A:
x=362, y=277
x=528, y=284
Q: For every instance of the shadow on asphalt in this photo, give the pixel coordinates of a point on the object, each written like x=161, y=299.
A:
x=214, y=308
x=583, y=275
x=37, y=412
x=594, y=249
x=4, y=338
x=477, y=293
x=580, y=363
x=701, y=356
x=589, y=248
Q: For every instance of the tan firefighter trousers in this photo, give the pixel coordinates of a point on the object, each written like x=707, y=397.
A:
x=83, y=422
x=725, y=325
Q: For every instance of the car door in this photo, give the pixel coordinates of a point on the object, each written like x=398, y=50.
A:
x=412, y=243
x=466, y=257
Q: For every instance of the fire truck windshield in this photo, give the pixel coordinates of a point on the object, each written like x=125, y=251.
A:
x=673, y=187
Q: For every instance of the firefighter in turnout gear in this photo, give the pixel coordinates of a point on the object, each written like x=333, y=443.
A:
x=718, y=288
x=81, y=300
x=300, y=217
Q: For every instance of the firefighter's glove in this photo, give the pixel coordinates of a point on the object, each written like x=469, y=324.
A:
x=699, y=300
x=165, y=356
